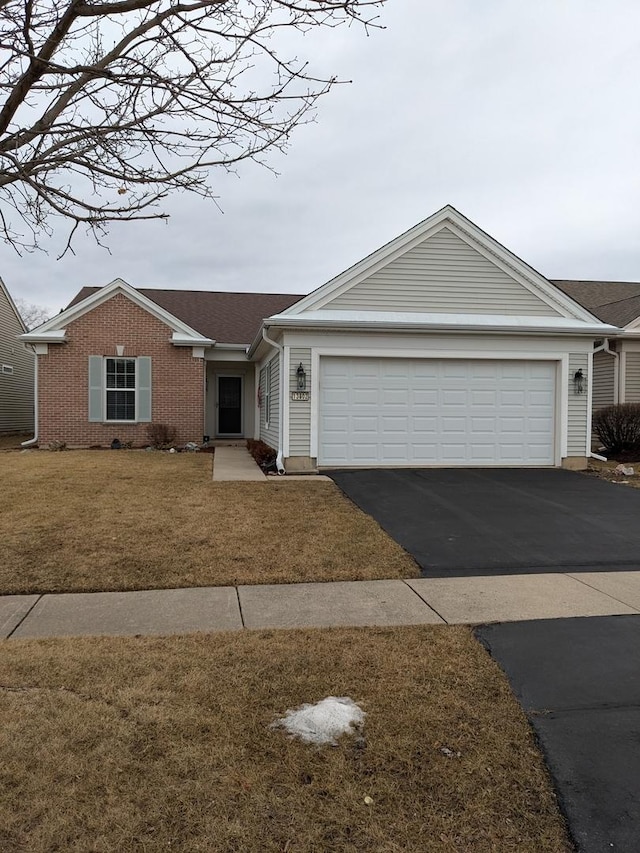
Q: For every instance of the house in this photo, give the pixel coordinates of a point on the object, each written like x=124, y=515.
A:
x=440, y=348
x=17, y=366
x=616, y=361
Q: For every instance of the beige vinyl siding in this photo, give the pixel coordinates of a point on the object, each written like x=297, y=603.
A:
x=443, y=274
x=604, y=366
x=269, y=432
x=16, y=388
x=577, y=423
x=632, y=378
x=299, y=411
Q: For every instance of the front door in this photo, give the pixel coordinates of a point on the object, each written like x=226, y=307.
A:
x=229, y=405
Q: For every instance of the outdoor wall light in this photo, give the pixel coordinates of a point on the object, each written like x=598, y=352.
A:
x=578, y=382
x=301, y=377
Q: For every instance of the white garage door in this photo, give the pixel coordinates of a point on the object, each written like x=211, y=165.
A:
x=393, y=411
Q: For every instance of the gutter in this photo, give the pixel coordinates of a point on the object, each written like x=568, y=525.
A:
x=265, y=337
x=359, y=325
x=30, y=442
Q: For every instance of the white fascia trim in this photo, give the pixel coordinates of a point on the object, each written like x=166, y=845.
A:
x=106, y=292
x=239, y=347
x=466, y=230
x=395, y=321
x=180, y=340
x=57, y=337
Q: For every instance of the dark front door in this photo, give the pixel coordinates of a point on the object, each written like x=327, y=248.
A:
x=229, y=405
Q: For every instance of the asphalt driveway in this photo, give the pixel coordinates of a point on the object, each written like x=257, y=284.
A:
x=504, y=521
x=578, y=681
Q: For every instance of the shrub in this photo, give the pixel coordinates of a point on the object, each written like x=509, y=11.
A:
x=261, y=452
x=618, y=427
x=161, y=436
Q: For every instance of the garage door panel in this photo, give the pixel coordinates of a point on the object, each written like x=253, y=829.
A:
x=436, y=411
x=424, y=425
x=482, y=398
x=454, y=369
x=424, y=397
x=365, y=397
x=337, y=396
x=487, y=424
x=454, y=398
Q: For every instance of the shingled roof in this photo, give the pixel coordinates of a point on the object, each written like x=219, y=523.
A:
x=229, y=318
x=615, y=302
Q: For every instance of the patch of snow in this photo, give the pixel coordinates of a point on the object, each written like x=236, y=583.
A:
x=324, y=722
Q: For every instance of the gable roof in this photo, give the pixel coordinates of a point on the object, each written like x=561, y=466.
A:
x=615, y=302
x=520, y=273
x=233, y=318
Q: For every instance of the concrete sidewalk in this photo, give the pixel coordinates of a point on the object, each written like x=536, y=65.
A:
x=234, y=464
x=306, y=605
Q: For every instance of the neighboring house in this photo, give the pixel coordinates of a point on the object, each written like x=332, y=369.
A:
x=17, y=366
x=440, y=348
x=616, y=360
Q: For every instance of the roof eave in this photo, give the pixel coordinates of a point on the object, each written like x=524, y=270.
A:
x=595, y=330
x=180, y=340
x=57, y=336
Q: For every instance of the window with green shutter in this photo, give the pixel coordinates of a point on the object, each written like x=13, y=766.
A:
x=119, y=389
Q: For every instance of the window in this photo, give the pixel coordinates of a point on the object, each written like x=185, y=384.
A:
x=120, y=387
x=7, y=369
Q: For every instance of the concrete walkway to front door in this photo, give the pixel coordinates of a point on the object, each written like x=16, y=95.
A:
x=315, y=605
x=235, y=463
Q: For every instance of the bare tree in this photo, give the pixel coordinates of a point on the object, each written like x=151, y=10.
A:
x=32, y=315
x=108, y=107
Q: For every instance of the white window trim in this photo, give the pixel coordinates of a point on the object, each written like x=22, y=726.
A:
x=106, y=390
x=7, y=369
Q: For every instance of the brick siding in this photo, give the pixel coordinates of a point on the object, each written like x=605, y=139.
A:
x=177, y=386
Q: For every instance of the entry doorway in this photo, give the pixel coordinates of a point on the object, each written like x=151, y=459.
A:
x=229, y=405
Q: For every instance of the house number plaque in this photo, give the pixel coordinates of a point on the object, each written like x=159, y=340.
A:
x=300, y=396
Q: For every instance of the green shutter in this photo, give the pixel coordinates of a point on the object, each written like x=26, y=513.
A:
x=144, y=388
x=96, y=391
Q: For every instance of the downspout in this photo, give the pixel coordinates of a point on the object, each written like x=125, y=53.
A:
x=604, y=347
x=280, y=349
x=34, y=440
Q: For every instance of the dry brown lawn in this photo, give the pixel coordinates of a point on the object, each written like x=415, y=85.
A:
x=164, y=744
x=118, y=520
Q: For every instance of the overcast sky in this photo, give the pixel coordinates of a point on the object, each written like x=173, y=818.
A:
x=524, y=116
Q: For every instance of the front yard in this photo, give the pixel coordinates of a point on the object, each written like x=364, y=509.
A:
x=164, y=744
x=119, y=520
